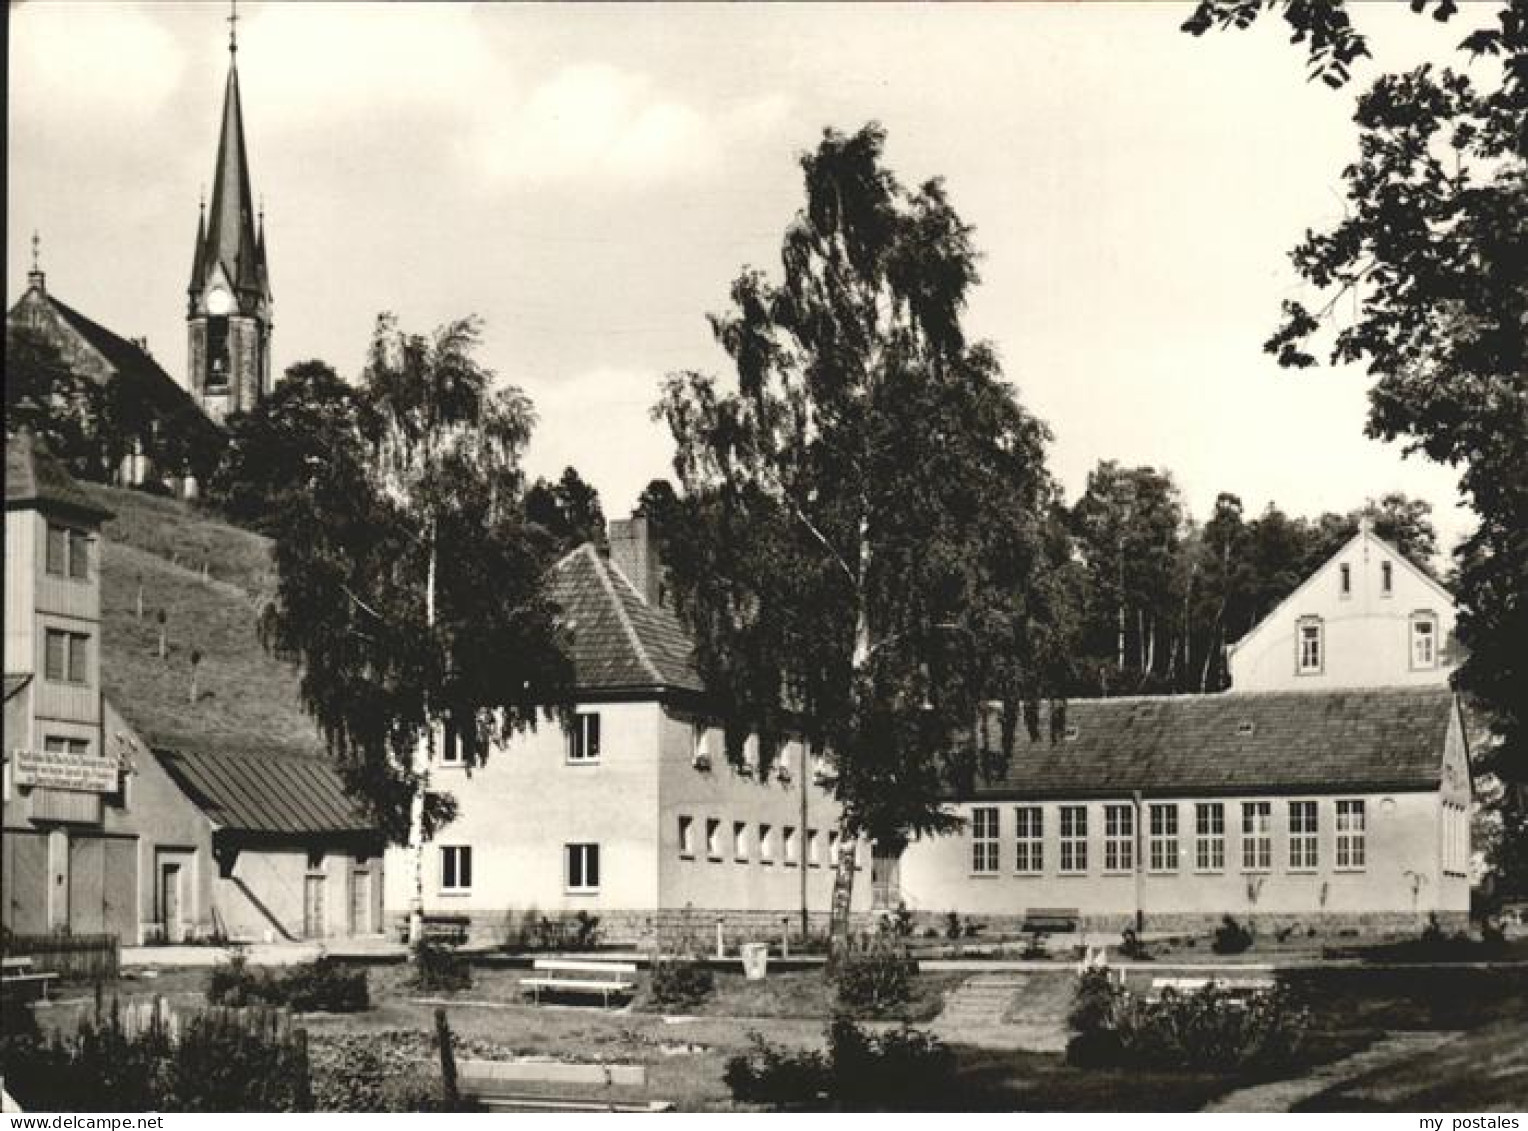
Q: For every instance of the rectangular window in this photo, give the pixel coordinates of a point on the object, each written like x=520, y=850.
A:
x=1119, y=838
x=58, y=550
x=1074, y=838
x=1257, y=836
x=813, y=848
x=833, y=848
x=766, y=844
x=66, y=656
x=1210, y=836
x=687, y=836
x=984, y=840
x=1350, y=834
x=456, y=867
x=454, y=746
x=583, y=867
x=584, y=738
x=713, y=839
x=1029, y=825
x=1163, y=832
x=1303, y=835
x=1386, y=578
x=1424, y=642
x=1310, y=647
x=789, y=846
x=56, y=744
x=79, y=555
x=740, y=841
x=1347, y=579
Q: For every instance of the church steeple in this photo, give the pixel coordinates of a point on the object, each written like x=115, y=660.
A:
x=230, y=298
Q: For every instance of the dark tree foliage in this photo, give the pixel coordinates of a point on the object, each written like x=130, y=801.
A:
x=866, y=528
x=59, y=406
x=569, y=510
x=310, y=418
x=410, y=585
x=1431, y=251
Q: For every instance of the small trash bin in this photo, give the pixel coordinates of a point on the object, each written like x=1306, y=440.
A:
x=755, y=960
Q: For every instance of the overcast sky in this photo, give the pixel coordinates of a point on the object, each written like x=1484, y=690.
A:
x=590, y=179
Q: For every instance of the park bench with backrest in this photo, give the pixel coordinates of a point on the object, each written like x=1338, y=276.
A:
x=1051, y=920
x=20, y=982
x=582, y=977
x=443, y=930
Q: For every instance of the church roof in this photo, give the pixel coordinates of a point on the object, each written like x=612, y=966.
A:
x=33, y=478
x=146, y=380
x=619, y=642
x=229, y=240
x=1233, y=743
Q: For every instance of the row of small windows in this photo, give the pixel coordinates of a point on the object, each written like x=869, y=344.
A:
x=1386, y=579
x=1163, y=843
x=580, y=868
x=748, y=844
x=1310, y=644
x=583, y=742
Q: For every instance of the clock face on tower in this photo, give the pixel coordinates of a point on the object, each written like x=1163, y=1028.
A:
x=219, y=301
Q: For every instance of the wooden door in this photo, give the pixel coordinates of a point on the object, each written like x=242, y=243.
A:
x=313, y=907
x=120, y=904
x=87, y=885
x=170, y=901
x=360, y=903
x=24, y=900
x=885, y=881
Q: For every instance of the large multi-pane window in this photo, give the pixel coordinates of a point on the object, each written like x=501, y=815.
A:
x=582, y=867
x=1119, y=838
x=1257, y=836
x=1303, y=835
x=1351, y=824
x=1163, y=837
x=1073, y=840
x=456, y=867
x=66, y=656
x=1029, y=834
x=584, y=738
x=68, y=552
x=985, y=848
x=1210, y=836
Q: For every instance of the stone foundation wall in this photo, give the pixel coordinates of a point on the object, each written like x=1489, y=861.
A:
x=1196, y=923
x=643, y=930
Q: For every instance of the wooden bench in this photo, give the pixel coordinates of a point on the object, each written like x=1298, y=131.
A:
x=568, y=976
x=20, y=983
x=1051, y=920
x=1240, y=989
x=449, y=930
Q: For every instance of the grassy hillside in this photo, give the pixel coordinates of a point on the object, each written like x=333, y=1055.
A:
x=246, y=700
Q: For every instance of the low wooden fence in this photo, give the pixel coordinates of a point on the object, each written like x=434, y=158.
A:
x=86, y=958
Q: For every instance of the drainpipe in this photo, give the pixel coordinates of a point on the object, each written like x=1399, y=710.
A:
x=1140, y=863
x=803, y=845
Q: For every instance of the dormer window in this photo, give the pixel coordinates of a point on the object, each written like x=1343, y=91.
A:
x=1311, y=647
x=1386, y=578
x=1346, y=572
x=1424, y=641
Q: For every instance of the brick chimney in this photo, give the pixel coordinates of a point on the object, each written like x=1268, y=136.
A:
x=634, y=552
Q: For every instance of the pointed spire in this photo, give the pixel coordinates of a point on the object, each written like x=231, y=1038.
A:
x=230, y=238
x=199, y=249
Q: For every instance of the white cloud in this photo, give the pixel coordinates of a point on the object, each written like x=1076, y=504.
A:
x=96, y=66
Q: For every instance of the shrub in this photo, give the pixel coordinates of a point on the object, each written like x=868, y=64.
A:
x=681, y=981
x=320, y=985
x=1132, y=947
x=952, y=925
x=1231, y=937
x=896, y=1070
x=586, y=931
x=439, y=968
x=875, y=981
x=1209, y=1030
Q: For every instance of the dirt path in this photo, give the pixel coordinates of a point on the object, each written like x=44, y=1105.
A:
x=1283, y=1095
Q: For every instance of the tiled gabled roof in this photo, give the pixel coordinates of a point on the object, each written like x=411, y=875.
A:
x=618, y=641
x=265, y=793
x=33, y=478
x=1233, y=743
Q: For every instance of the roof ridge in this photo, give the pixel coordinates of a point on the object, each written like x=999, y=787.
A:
x=601, y=569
